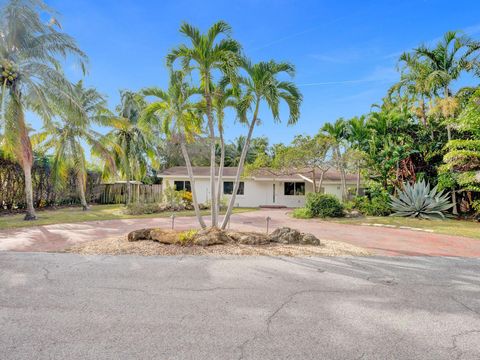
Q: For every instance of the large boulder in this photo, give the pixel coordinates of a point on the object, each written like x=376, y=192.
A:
x=309, y=239
x=285, y=235
x=164, y=236
x=210, y=236
x=137, y=235
x=248, y=238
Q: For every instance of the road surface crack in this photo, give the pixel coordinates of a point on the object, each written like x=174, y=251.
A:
x=465, y=305
x=455, y=338
x=46, y=274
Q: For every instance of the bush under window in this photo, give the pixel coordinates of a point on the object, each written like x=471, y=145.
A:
x=322, y=205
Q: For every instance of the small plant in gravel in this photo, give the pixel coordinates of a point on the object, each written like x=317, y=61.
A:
x=187, y=237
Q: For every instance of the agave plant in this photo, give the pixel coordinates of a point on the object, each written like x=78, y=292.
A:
x=419, y=201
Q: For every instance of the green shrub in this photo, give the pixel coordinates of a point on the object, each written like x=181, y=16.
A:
x=323, y=205
x=302, y=213
x=142, y=208
x=378, y=205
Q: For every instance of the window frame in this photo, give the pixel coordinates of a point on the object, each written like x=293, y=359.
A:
x=184, y=185
x=294, y=188
x=240, y=191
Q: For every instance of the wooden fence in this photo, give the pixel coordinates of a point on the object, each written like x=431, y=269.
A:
x=117, y=193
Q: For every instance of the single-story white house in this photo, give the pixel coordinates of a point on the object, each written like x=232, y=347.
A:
x=262, y=188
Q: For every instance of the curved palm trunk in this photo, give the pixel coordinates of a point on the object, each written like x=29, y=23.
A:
x=241, y=163
x=81, y=190
x=192, y=185
x=25, y=158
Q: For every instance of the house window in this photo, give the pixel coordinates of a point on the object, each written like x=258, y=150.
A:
x=294, y=188
x=182, y=185
x=228, y=188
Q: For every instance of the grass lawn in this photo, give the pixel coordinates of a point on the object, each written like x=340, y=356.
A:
x=450, y=227
x=95, y=213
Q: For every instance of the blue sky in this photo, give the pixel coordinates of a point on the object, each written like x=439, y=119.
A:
x=345, y=52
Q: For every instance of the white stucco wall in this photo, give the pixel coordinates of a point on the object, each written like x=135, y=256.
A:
x=259, y=192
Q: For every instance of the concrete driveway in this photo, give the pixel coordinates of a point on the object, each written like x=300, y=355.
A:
x=67, y=306
x=379, y=241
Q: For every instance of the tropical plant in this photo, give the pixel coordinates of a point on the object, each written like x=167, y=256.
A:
x=134, y=142
x=31, y=78
x=65, y=138
x=323, y=205
x=263, y=85
x=178, y=119
x=420, y=201
x=357, y=134
x=205, y=55
x=337, y=133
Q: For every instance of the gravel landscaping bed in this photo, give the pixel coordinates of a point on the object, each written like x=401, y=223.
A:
x=120, y=246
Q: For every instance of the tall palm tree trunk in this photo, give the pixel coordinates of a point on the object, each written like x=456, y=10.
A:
x=214, y=215
x=25, y=157
x=220, y=171
x=129, y=185
x=81, y=190
x=192, y=185
x=241, y=163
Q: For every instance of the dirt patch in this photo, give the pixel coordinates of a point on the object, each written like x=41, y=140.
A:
x=120, y=246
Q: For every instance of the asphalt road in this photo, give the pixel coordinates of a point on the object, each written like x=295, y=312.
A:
x=66, y=306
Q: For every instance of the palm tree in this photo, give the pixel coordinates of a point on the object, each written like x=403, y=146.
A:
x=234, y=151
x=222, y=97
x=337, y=133
x=451, y=57
x=357, y=134
x=179, y=120
x=205, y=55
x=30, y=77
x=263, y=85
x=415, y=82
x=65, y=138
x=133, y=138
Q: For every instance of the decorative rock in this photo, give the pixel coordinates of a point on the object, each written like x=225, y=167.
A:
x=248, y=238
x=164, y=236
x=352, y=214
x=285, y=235
x=210, y=236
x=142, y=234
x=309, y=239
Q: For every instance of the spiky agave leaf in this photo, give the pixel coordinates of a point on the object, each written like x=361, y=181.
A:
x=419, y=201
